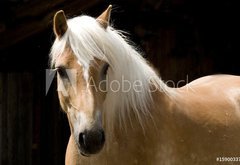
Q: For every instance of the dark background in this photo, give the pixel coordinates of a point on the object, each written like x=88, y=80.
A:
x=183, y=39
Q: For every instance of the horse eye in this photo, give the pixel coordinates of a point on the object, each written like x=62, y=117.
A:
x=62, y=72
x=104, y=71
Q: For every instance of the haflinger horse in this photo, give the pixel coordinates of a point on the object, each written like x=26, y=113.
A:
x=121, y=112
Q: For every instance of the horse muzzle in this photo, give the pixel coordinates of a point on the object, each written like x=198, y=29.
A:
x=91, y=141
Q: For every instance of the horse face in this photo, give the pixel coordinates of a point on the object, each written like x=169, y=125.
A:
x=81, y=90
x=81, y=98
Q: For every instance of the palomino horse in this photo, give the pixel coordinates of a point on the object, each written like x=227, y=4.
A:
x=121, y=112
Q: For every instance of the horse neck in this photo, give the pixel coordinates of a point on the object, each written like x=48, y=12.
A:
x=152, y=127
x=147, y=114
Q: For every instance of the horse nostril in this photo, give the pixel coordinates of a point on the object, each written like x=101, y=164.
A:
x=82, y=139
x=102, y=137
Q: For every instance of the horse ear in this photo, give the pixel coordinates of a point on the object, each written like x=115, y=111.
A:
x=60, y=24
x=104, y=18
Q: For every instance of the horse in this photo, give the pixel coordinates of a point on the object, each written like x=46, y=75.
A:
x=121, y=112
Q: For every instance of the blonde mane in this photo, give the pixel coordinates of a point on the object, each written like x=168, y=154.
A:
x=89, y=40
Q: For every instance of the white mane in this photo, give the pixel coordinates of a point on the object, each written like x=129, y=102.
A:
x=89, y=40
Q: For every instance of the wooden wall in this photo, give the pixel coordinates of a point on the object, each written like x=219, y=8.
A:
x=33, y=130
x=16, y=105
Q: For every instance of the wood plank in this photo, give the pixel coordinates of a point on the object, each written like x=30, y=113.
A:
x=38, y=108
x=1, y=116
x=25, y=108
x=3, y=119
x=12, y=117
